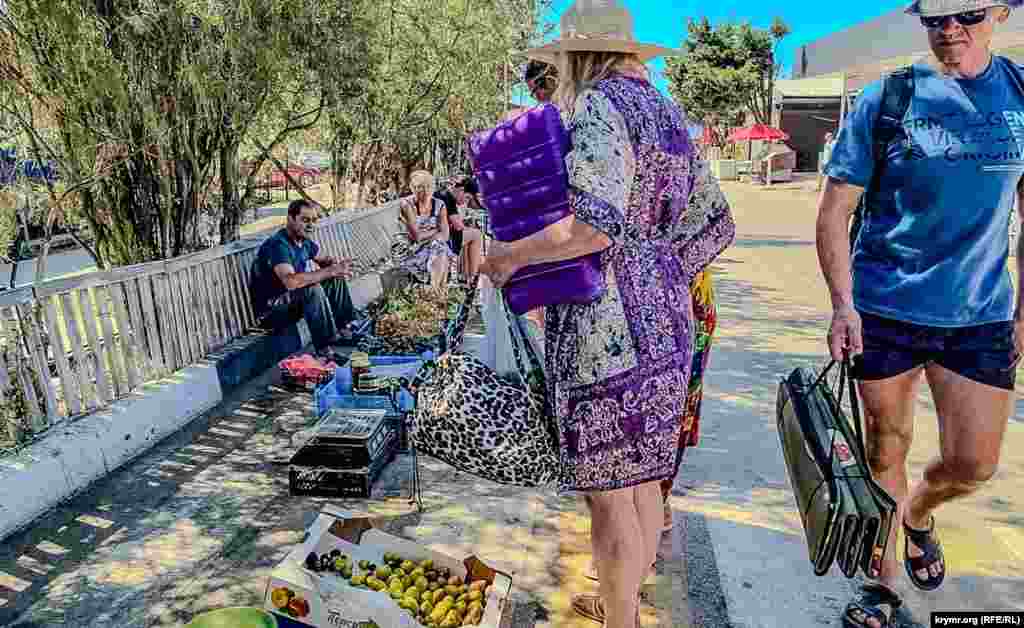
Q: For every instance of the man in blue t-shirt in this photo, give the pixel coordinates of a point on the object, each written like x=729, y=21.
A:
x=286, y=287
x=927, y=290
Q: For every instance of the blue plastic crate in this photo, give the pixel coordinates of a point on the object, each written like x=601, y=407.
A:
x=328, y=397
x=342, y=381
x=387, y=360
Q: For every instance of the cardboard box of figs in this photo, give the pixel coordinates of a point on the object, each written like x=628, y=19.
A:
x=350, y=574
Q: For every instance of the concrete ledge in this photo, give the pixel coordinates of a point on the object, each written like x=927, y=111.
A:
x=247, y=357
x=71, y=456
x=365, y=289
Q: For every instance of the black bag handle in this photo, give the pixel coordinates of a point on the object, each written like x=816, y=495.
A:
x=455, y=333
x=897, y=90
x=519, y=335
x=846, y=382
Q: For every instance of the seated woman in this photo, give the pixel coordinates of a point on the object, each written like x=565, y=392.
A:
x=423, y=249
x=470, y=239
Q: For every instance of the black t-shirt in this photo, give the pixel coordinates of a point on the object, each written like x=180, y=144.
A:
x=449, y=202
x=278, y=249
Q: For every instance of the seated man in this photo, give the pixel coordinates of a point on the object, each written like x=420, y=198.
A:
x=285, y=287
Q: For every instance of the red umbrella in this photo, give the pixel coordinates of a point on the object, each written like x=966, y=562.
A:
x=707, y=137
x=758, y=132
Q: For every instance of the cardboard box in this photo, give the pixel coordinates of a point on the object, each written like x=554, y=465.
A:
x=332, y=602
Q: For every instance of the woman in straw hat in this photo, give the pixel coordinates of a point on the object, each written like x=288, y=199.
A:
x=425, y=252
x=618, y=368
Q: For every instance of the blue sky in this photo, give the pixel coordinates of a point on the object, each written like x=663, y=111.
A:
x=664, y=21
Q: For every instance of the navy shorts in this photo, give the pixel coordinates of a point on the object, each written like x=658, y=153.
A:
x=982, y=353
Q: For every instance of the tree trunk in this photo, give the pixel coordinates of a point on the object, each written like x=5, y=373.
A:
x=232, y=210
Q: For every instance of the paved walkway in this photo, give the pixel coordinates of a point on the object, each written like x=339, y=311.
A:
x=199, y=522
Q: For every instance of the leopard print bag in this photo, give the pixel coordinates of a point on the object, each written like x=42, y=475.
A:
x=472, y=419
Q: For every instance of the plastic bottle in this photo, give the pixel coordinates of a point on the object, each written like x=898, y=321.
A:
x=343, y=380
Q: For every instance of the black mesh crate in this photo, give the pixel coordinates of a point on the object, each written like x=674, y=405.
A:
x=346, y=453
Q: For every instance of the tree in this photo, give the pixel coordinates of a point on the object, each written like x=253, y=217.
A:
x=438, y=72
x=726, y=71
x=299, y=73
x=150, y=101
x=763, y=47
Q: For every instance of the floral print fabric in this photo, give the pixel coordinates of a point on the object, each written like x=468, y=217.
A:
x=705, y=319
x=618, y=368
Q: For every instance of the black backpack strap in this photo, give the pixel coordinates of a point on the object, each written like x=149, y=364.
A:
x=897, y=90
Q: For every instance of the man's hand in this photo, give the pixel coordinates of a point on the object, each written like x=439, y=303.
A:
x=326, y=261
x=845, y=334
x=341, y=268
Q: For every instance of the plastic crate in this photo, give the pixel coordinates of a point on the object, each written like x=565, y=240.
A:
x=328, y=399
x=305, y=384
x=342, y=380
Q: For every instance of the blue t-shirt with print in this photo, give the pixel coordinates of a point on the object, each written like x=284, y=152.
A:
x=934, y=245
x=265, y=286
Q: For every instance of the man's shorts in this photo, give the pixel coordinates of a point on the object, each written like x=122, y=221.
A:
x=982, y=353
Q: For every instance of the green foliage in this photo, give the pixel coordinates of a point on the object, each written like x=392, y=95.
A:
x=438, y=71
x=726, y=71
x=147, y=106
x=8, y=222
x=151, y=99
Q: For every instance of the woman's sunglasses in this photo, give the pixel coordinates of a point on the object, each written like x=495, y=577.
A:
x=967, y=18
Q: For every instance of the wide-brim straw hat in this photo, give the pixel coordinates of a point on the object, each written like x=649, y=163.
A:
x=598, y=26
x=935, y=8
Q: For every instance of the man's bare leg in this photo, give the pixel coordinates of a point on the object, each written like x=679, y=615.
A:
x=889, y=432
x=972, y=423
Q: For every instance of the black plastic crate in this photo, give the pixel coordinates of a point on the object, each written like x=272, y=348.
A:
x=313, y=480
x=346, y=438
x=345, y=454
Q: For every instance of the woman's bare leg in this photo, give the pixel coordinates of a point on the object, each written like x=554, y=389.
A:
x=620, y=552
x=439, y=272
x=472, y=252
x=650, y=509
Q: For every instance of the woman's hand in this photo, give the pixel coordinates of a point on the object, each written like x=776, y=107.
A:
x=500, y=263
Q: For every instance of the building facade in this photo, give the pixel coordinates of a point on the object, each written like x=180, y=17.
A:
x=809, y=104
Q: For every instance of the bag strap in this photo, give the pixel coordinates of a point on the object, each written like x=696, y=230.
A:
x=455, y=332
x=897, y=90
x=521, y=337
x=847, y=379
x=846, y=383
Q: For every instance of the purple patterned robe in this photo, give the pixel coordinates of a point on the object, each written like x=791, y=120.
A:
x=618, y=369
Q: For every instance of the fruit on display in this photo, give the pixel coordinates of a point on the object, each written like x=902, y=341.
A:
x=435, y=597
x=285, y=601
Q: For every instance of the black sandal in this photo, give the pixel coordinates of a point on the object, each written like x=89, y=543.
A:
x=874, y=595
x=929, y=544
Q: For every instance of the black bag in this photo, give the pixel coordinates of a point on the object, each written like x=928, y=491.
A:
x=846, y=515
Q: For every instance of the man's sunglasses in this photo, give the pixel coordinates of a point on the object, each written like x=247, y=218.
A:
x=967, y=18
